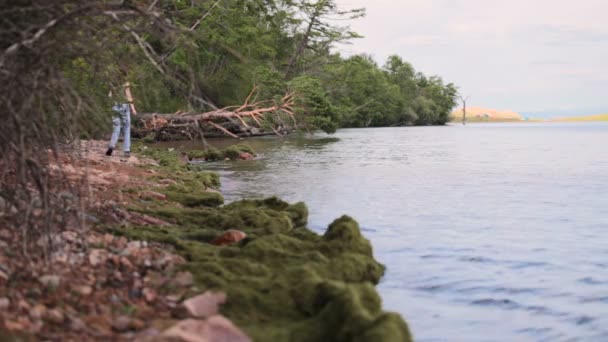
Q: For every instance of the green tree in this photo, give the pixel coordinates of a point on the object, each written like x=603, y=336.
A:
x=315, y=107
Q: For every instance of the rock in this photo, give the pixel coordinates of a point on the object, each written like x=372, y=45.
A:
x=122, y=323
x=212, y=190
x=126, y=263
x=137, y=324
x=96, y=180
x=5, y=303
x=141, y=219
x=98, y=256
x=153, y=195
x=14, y=325
x=50, y=280
x=154, y=279
x=83, y=290
x=77, y=324
x=167, y=181
x=222, y=329
x=229, y=237
x=55, y=316
x=149, y=294
x=38, y=311
x=216, y=328
x=69, y=236
x=148, y=335
x=5, y=234
x=183, y=279
x=108, y=238
x=245, y=156
x=3, y=276
x=183, y=158
x=204, y=305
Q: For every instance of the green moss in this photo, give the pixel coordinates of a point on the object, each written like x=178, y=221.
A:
x=213, y=154
x=233, y=152
x=197, y=154
x=201, y=199
x=284, y=282
x=167, y=160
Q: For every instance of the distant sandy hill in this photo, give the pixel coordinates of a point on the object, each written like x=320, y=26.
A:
x=599, y=117
x=487, y=114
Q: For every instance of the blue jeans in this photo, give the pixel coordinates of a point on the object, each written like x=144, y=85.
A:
x=121, y=118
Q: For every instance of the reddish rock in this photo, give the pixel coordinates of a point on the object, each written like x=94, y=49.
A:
x=229, y=237
x=15, y=325
x=38, y=311
x=205, y=305
x=50, y=280
x=141, y=219
x=216, y=328
x=149, y=294
x=55, y=316
x=122, y=323
x=83, y=290
x=183, y=279
x=5, y=303
x=97, y=257
x=153, y=195
x=167, y=181
x=245, y=156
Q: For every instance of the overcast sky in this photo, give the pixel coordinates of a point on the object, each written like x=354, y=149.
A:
x=522, y=55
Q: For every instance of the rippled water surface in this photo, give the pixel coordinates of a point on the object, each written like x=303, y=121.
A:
x=490, y=232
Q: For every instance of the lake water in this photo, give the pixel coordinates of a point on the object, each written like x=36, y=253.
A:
x=490, y=232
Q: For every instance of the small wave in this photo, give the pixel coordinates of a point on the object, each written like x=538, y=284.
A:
x=478, y=259
x=591, y=281
x=502, y=303
x=582, y=320
x=603, y=299
x=508, y=304
x=440, y=287
x=527, y=264
x=435, y=256
x=500, y=289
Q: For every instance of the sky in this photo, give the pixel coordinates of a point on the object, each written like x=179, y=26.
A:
x=537, y=57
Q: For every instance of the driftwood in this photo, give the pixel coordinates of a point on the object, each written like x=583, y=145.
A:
x=248, y=119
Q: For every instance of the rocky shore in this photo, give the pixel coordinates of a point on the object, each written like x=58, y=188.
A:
x=165, y=260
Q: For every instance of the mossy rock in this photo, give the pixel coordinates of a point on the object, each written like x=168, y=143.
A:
x=213, y=154
x=233, y=152
x=200, y=199
x=284, y=282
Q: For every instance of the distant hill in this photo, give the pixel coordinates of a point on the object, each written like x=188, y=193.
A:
x=486, y=114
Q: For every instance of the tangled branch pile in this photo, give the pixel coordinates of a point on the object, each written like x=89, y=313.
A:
x=248, y=119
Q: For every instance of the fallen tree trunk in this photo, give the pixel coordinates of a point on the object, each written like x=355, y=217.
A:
x=260, y=118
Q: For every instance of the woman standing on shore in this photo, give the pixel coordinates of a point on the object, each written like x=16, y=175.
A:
x=123, y=107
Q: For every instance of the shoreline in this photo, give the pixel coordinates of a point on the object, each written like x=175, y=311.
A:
x=253, y=261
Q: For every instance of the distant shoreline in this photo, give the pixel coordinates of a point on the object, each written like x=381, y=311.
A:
x=587, y=118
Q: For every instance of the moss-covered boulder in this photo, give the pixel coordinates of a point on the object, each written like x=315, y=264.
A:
x=233, y=152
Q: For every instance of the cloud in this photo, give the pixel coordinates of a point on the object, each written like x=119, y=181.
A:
x=566, y=35
x=551, y=63
x=518, y=54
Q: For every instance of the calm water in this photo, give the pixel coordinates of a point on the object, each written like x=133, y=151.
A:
x=490, y=232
